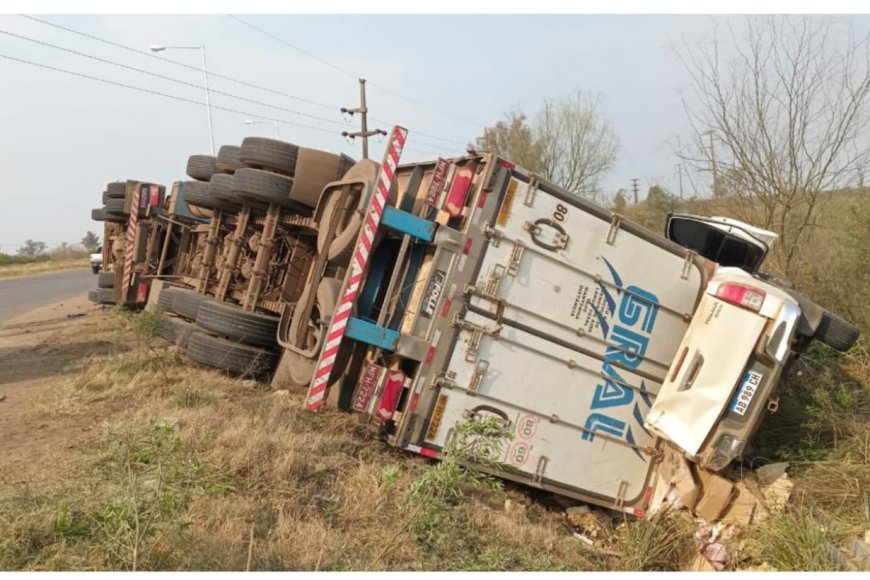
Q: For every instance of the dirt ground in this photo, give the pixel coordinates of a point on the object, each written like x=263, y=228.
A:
x=38, y=349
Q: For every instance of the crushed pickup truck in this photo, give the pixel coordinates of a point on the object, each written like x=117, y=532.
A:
x=420, y=295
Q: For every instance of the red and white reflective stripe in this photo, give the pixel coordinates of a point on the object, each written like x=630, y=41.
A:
x=320, y=382
x=131, y=241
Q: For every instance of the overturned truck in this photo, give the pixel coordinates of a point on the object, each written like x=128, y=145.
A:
x=420, y=295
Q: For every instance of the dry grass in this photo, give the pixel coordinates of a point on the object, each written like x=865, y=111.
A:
x=43, y=267
x=197, y=472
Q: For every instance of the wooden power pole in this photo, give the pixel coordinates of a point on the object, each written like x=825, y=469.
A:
x=364, y=126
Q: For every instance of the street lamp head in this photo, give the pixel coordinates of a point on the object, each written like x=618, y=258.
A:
x=249, y=122
x=156, y=48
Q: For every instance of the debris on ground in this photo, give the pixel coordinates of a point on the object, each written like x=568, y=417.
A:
x=716, y=554
x=594, y=525
x=775, y=485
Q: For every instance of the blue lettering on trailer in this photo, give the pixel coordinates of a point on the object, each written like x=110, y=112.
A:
x=630, y=329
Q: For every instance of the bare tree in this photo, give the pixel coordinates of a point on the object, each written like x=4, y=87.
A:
x=782, y=121
x=568, y=142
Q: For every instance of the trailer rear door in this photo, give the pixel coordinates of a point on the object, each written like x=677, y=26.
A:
x=567, y=334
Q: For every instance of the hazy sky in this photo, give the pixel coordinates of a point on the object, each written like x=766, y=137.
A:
x=63, y=137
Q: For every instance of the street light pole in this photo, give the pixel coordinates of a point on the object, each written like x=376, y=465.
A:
x=160, y=48
x=273, y=122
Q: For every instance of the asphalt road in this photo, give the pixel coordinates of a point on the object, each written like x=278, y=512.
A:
x=18, y=295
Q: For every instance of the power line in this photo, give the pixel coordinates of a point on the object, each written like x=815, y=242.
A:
x=347, y=72
x=228, y=78
x=178, y=63
x=171, y=79
x=186, y=100
x=160, y=94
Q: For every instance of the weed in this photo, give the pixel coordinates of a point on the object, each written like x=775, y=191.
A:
x=656, y=543
x=187, y=397
x=795, y=540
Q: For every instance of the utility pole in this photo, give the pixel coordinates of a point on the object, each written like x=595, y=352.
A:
x=364, y=127
x=711, y=133
x=634, y=189
x=680, y=172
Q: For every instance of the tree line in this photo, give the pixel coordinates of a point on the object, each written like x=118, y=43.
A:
x=776, y=124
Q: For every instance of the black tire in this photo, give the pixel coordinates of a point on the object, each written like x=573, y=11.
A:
x=106, y=280
x=198, y=193
x=114, y=206
x=260, y=186
x=100, y=215
x=186, y=303
x=164, y=300
x=836, y=332
x=201, y=167
x=176, y=330
x=226, y=355
x=228, y=159
x=271, y=154
x=220, y=188
x=116, y=190
x=237, y=325
x=102, y=296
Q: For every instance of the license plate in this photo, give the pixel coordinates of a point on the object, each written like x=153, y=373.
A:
x=438, y=178
x=366, y=387
x=433, y=293
x=747, y=390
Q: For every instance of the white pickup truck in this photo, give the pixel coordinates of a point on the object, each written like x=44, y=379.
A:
x=487, y=291
x=96, y=260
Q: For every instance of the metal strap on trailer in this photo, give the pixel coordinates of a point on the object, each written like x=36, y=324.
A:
x=338, y=325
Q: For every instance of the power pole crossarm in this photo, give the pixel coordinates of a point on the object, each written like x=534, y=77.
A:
x=364, y=127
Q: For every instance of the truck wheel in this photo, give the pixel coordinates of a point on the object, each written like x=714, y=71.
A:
x=186, y=303
x=229, y=356
x=106, y=280
x=164, y=300
x=230, y=321
x=201, y=167
x=261, y=186
x=347, y=229
x=220, y=188
x=100, y=215
x=101, y=296
x=116, y=190
x=261, y=153
x=836, y=332
x=228, y=159
x=114, y=206
x=176, y=330
x=198, y=193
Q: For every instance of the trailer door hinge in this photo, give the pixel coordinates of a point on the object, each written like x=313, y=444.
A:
x=539, y=470
x=531, y=190
x=687, y=264
x=493, y=235
x=479, y=372
x=615, y=223
x=516, y=256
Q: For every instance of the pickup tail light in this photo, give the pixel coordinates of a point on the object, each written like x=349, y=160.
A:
x=747, y=297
